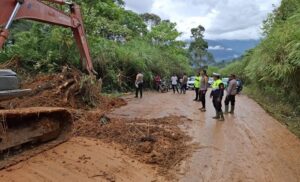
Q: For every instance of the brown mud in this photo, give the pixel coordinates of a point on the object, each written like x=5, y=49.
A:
x=147, y=139
x=157, y=144
x=66, y=89
x=248, y=146
x=80, y=159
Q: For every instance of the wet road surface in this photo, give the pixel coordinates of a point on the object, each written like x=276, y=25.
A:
x=248, y=146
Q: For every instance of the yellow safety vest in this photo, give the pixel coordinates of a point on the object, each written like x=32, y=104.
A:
x=216, y=84
x=197, y=82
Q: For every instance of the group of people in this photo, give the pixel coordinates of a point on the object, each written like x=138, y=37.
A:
x=201, y=86
x=217, y=93
x=176, y=82
x=182, y=82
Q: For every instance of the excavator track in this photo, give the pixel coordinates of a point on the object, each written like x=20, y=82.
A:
x=27, y=132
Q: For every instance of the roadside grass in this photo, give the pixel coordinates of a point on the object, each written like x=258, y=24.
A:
x=284, y=112
x=113, y=94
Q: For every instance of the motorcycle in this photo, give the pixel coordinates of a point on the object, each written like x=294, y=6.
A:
x=163, y=87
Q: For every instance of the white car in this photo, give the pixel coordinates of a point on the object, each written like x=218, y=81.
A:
x=191, y=82
x=210, y=80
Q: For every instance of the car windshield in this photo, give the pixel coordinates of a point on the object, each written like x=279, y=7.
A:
x=192, y=79
x=225, y=79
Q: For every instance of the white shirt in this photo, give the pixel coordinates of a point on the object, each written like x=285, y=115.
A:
x=174, y=80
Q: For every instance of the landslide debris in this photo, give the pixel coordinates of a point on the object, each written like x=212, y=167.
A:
x=70, y=88
x=159, y=142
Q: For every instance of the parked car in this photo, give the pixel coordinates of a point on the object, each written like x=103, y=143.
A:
x=239, y=86
x=210, y=80
x=191, y=82
x=225, y=82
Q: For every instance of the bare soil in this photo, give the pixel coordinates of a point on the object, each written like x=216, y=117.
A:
x=80, y=159
x=159, y=142
x=248, y=146
x=65, y=89
x=151, y=139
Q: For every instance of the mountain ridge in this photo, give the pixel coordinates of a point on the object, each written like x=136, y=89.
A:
x=226, y=50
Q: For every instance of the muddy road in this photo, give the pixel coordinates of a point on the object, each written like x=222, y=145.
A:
x=80, y=159
x=249, y=146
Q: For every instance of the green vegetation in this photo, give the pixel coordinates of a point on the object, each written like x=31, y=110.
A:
x=198, y=49
x=273, y=67
x=121, y=43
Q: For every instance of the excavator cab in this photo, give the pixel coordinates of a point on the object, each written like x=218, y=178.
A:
x=10, y=86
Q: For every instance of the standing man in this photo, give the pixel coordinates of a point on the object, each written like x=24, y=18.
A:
x=139, y=84
x=184, y=84
x=203, y=89
x=217, y=95
x=197, y=86
x=174, y=80
x=157, y=81
x=231, y=92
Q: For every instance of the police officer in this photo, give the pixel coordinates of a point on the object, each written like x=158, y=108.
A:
x=217, y=96
x=197, y=87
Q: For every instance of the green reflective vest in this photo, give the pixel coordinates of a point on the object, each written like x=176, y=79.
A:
x=197, y=81
x=216, y=84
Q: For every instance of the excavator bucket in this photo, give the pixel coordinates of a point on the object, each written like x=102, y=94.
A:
x=29, y=131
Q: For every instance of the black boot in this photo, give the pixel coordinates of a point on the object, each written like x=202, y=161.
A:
x=232, y=110
x=226, y=109
x=221, y=116
x=217, y=116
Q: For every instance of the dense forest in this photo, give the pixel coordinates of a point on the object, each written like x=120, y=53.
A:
x=272, y=69
x=122, y=43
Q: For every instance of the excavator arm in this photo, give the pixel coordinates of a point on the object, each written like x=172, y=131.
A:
x=37, y=10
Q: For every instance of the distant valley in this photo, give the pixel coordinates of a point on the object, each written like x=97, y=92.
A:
x=229, y=49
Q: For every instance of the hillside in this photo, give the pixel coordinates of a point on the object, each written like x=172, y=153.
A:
x=271, y=70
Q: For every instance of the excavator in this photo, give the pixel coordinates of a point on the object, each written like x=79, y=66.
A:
x=25, y=132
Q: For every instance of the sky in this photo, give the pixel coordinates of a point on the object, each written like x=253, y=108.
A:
x=222, y=19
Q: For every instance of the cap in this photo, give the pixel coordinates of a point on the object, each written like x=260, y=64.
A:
x=216, y=74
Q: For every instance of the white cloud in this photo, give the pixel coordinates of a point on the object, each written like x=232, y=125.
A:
x=139, y=6
x=223, y=19
x=218, y=47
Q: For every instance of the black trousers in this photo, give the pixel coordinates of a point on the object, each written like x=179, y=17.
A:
x=139, y=89
x=174, y=87
x=230, y=99
x=197, y=93
x=157, y=84
x=183, y=88
x=202, y=97
x=217, y=104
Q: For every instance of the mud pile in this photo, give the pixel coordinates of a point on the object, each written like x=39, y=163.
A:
x=159, y=142
x=70, y=89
